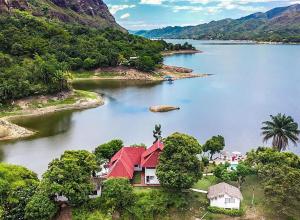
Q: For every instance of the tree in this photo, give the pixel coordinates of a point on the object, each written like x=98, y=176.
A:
x=179, y=167
x=40, y=207
x=118, y=194
x=214, y=145
x=106, y=151
x=145, y=63
x=157, y=133
x=281, y=187
x=70, y=176
x=17, y=185
x=281, y=129
x=242, y=171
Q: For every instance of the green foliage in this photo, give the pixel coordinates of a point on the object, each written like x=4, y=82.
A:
x=281, y=186
x=79, y=214
x=179, y=167
x=70, y=176
x=40, y=207
x=17, y=185
x=281, y=129
x=106, y=151
x=214, y=145
x=36, y=52
x=280, y=174
x=153, y=204
x=239, y=175
x=117, y=194
x=230, y=212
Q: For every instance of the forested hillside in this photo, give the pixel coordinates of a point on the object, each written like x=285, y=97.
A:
x=277, y=25
x=37, y=53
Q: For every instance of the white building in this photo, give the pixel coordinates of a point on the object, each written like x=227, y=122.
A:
x=150, y=176
x=225, y=196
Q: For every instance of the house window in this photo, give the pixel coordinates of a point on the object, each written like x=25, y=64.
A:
x=149, y=178
x=229, y=200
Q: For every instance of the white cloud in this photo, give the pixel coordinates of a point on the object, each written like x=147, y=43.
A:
x=151, y=2
x=124, y=16
x=115, y=8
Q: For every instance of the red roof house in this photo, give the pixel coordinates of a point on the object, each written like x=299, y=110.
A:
x=130, y=159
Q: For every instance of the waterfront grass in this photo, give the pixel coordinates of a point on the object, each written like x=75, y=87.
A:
x=91, y=74
x=47, y=101
x=206, y=182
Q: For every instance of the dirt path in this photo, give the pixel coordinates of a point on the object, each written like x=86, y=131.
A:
x=65, y=213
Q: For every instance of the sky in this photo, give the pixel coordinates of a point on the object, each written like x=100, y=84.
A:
x=151, y=14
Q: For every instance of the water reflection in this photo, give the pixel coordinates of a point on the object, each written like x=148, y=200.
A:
x=47, y=125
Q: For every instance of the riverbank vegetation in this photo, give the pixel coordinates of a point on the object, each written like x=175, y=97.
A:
x=37, y=55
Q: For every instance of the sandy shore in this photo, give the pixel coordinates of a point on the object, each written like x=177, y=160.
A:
x=13, y=131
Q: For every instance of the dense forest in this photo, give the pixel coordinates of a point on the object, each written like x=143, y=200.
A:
x=37, y=54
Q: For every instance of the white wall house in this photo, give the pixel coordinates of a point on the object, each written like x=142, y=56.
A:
x=225, y=196
x=150, y=176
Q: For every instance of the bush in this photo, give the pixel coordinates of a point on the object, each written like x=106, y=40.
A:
x=230, y=212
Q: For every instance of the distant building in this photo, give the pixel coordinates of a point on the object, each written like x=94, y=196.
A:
x=136, y=159
x=225, y=196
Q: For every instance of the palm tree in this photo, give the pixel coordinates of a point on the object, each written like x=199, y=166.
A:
x=281, y=129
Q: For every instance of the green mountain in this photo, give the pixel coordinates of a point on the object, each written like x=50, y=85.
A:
x=278, y=24
x=41, y=41
x=90, y=12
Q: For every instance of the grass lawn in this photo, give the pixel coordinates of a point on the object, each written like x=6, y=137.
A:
x=90, y=74
x=206, y=182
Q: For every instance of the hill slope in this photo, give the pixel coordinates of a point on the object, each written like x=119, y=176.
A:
x=90, y=12
x=278, y=24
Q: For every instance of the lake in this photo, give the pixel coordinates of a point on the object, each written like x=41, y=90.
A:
x=249, y=83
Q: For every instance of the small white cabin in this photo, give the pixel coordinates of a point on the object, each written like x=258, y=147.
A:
x=225, y=196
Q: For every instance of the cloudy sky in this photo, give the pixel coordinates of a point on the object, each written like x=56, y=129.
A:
x=150, y=14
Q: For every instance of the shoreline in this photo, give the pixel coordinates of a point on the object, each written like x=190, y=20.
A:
x=41, y=105
x=175, y=52
x=127, y=73
x=15, y=131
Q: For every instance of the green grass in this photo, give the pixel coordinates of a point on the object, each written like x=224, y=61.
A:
x=10, y=110
x=206, y=182
x=91, y=74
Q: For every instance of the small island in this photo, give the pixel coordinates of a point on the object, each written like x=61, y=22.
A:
x=163, y=108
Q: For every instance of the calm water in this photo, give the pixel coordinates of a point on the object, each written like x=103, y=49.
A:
x=250, y=82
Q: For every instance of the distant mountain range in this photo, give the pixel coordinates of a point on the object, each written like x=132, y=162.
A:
x=277, y=25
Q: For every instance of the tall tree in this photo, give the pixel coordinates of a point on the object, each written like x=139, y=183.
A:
x=214, y=145
x=117, y=194
x=17, y=186
x=70, y=176
x=106, y=151
x=281, y=129
x=179, y=167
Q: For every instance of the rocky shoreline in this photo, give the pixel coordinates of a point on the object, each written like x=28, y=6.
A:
x=127, y=73
x=174, y=52
x=12, y=131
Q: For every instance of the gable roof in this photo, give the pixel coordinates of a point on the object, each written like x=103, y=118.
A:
x=151, y=155
x=122, y=163
x=222, y=189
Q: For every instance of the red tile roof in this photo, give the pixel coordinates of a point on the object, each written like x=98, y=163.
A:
x=151, y=155
x=123, y=162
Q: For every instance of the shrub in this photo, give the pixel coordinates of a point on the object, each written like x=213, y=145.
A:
x=230, y=212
